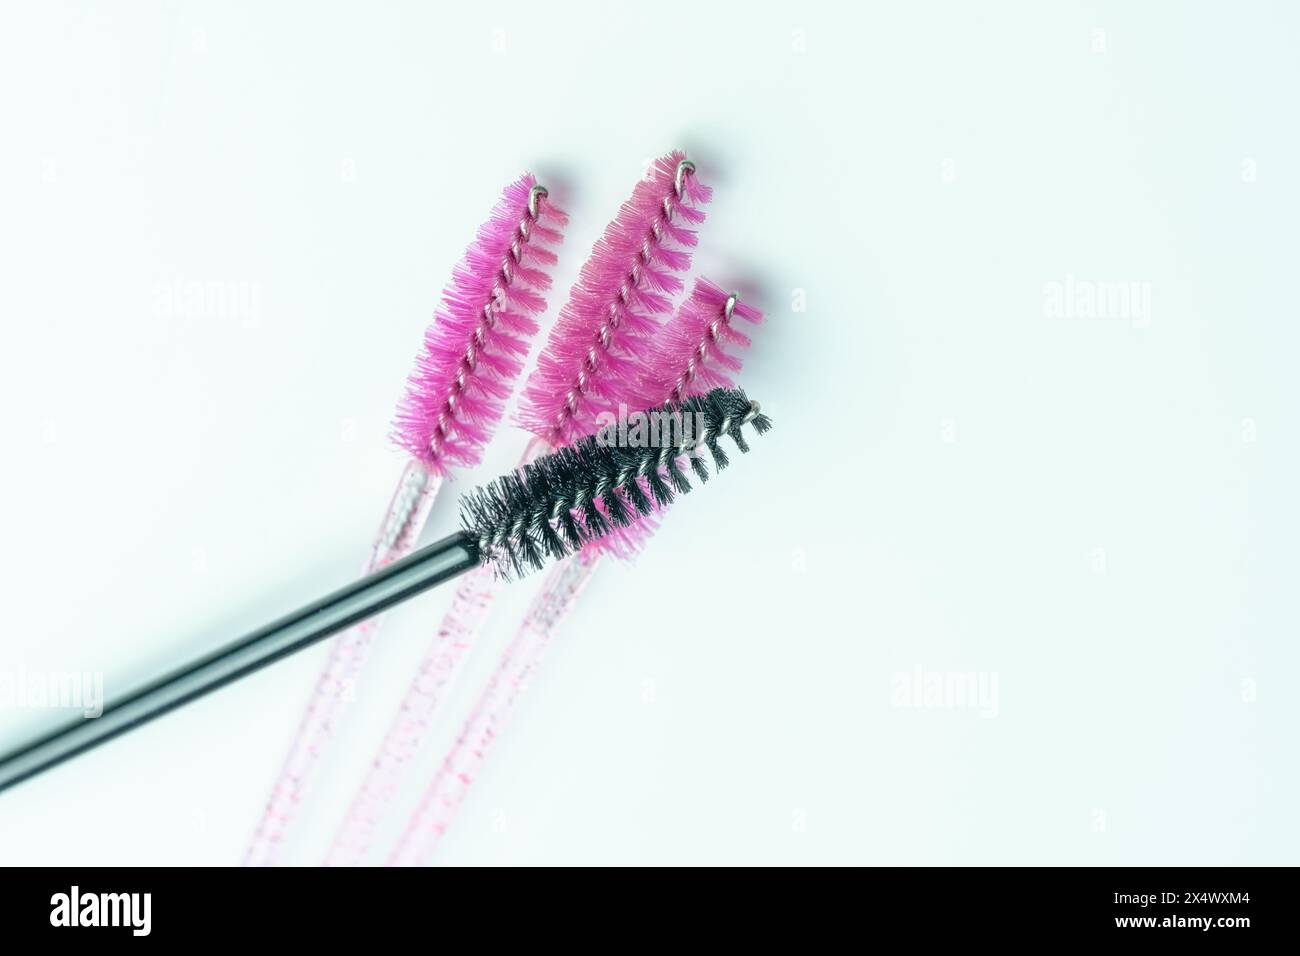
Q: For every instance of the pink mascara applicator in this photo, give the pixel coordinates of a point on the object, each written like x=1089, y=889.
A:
x=473, y=353
x=591, y=364
x=689, y=359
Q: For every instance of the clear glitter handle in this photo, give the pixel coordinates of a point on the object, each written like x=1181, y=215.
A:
x=460, y=626
x=407, y=513
x=516, y=667
x=441, y=663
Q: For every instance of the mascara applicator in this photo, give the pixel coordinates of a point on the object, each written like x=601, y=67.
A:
x=589, y=366
x=689, y=356
x=472, y=354
x=544, y=511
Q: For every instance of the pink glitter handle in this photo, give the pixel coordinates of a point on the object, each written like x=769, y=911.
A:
x=516, y=667
x=591, y=362
x=407, y=513
x=473, y=351
x=688, y=357
x=460, y=626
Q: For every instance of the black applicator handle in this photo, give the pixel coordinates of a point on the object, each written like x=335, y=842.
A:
x=412, y=575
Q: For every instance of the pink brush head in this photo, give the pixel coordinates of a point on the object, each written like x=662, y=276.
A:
x=690, y=358
x=591, y=362
x=476, y=346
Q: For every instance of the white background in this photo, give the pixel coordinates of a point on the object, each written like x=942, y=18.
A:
x=1099, y=512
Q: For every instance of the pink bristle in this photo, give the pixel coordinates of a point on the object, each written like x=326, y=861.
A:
x=477, y=343
x=688, y=358
x=591, y=360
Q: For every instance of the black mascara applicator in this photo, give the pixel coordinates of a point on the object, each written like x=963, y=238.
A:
x=519, y=522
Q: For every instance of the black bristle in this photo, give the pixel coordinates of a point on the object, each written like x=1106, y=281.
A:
x=582, y=492
x=699, y=467
x=593, y=520
x=538, y=489
x=568, y=528
x=530, y=551
x=522, y=508
x=675, y=475
x=663, y=495
x=636, y=494
x=511, y=565
x=720, y=459
x=616, y=508
x=551, y=540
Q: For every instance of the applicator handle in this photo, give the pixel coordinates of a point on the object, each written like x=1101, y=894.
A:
x=424, y=569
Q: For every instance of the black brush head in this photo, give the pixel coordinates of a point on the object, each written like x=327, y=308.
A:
x=577, y=494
